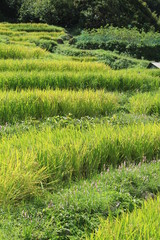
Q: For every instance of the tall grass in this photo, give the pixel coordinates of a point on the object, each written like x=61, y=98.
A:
x=141, y=224
x=41, y=104
x=71, y=153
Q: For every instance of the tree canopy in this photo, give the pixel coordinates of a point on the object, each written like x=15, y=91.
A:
x=84, y=13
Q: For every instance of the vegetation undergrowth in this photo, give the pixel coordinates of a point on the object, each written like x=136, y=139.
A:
x=73, y=212
x=120, y=119
x=135, y=43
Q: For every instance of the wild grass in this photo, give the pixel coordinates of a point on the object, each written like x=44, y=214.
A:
x=71, y=153
x=141, y=224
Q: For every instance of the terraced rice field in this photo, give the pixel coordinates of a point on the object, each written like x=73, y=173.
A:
x=79, y=140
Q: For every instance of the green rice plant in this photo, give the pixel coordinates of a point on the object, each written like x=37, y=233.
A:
x=37, y=104
x=31, y=27
x=51, y=65
x=71, y=75
x=151, y=72
x=36, y=35
x=20, y=178
x=22, y=33
x=31, y=38
x=141, y=224
x=22, y=43
x=145, y=103
x=10, y=33
x=74, y=153
x=20, y=52
x=119, y=119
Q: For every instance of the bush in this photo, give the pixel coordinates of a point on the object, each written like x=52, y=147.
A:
x=48, y=45
x=132, y=42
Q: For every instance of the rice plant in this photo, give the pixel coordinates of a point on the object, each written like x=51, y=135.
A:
x=51, y=65
x=141, y=224
x=20, y=52
x=31, y=27
x=70, y=153
x=30, y=74
x=37, y=104
x=146, y=103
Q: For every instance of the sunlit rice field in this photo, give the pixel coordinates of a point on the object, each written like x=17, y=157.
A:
x=79, y=141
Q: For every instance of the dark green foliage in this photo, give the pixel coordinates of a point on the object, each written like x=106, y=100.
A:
x=88, y=14
x=112, y=59
x=49, y=45
x=118, y=12
x=122, y=40
x=9, y=9
x=53, y=12
x=154, y=5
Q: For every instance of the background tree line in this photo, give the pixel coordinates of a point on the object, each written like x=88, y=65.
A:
x=83, y=13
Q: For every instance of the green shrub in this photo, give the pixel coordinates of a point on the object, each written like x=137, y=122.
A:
x=48, y=45
x=132, y=42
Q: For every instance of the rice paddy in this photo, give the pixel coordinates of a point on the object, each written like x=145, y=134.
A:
x=66, y=123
